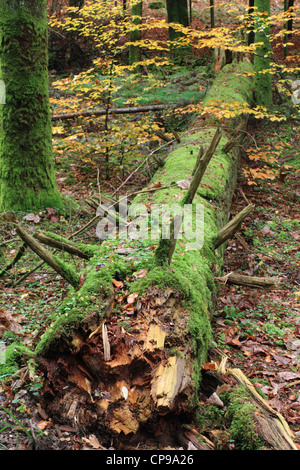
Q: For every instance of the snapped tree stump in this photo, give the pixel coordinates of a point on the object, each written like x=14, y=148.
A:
x=124, y=354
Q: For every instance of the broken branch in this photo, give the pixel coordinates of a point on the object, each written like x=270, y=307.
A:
x=63, y=269
x=229, y=229
x=250, y=281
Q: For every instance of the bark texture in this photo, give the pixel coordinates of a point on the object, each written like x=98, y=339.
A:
x=27, y=179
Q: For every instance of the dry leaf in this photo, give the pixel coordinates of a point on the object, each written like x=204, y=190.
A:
x=131, y=298
x=209, y=366
x=92, y=441
x=42, y=424
x=118, y=283
x=184, y=184
x=32, y=218
x=141, y=273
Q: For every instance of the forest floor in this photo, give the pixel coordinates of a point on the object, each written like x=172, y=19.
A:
x=258, y=330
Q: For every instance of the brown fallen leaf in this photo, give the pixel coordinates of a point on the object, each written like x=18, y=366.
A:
x=141, y=274
x=42, y=424
x=131, y=298
x=209, y=366
x=118, y=284
x=93, y=442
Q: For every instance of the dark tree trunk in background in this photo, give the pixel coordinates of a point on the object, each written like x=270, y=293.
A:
x=177, y=13
x=251, y=33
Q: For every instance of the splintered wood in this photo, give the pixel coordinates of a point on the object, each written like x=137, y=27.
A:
x=124, y=373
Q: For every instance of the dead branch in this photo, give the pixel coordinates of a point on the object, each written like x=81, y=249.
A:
x=64, y=271
x=272, y=426
x=201, y=166
x=166, y=248
x=103, y=112
x=233, y=226
x=18, y=256
x=62, y=245
x=250, y=281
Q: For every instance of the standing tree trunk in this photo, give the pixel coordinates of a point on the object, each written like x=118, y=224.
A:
x=262, y=82
x=251, y=36
x=135, y=34
x=212, y=13
x=27, y=178
x=289, y=26
x=178, y=13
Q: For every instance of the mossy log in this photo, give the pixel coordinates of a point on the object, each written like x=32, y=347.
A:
x=269, y=424
x=124, y=354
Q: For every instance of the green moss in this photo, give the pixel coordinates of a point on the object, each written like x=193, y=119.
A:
x=262, y=82
x=208, y=418
x=27, y=179
x=156, y=5
x=240, y=413
x=15, y=355
x=232, y=85
x=89, y=250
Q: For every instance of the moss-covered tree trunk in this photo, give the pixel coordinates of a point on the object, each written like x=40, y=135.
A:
x=135, y=34
x=125, y=352
x=27, y=179
x=262, y=83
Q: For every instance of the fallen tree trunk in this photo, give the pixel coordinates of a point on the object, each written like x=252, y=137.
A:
x=124, y=356
x=250, y=281
x=103, y=112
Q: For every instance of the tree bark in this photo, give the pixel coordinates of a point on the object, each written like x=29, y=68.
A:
x=262, y=82
x=103, y=112
x=27, y=179
x=135, y=34
x=177, y=13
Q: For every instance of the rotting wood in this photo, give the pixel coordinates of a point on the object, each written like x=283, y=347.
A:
x=233, y=225
x=193, y=440
x=250, y=281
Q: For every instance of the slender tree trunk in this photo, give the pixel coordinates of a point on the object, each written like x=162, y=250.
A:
x=289, y=26
x=212, y=13
x=251, y=36
x=262, y=82
x=135, y=35
x=27, y=179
